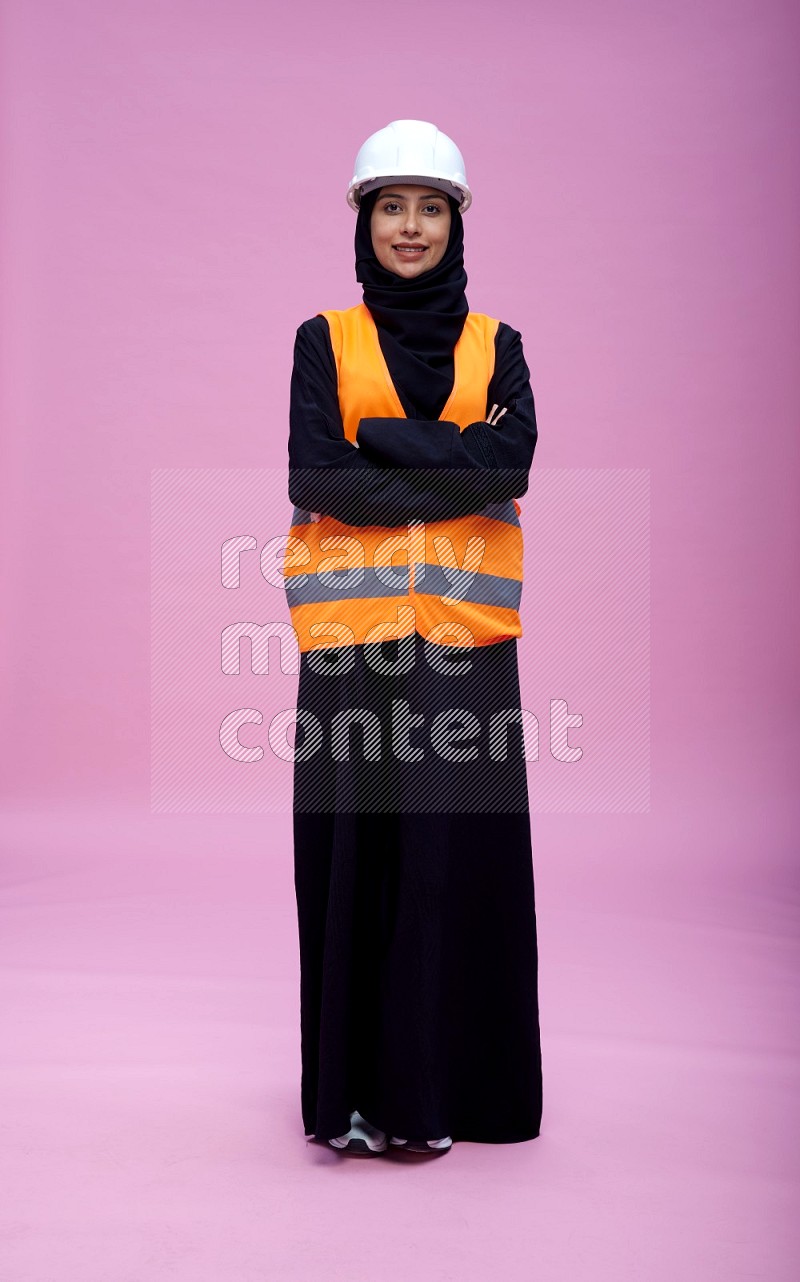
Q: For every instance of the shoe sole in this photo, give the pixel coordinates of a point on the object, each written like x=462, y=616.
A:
x=360, y=1147
x=419, y=1146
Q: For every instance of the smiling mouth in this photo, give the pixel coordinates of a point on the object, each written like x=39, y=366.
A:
x=410, y=250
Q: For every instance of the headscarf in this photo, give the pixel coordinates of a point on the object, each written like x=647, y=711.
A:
x=419, y=319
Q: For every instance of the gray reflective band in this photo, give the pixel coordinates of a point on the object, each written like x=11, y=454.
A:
x=301, y=517
x=463, y=585
x=364, y=584
x=501, y=512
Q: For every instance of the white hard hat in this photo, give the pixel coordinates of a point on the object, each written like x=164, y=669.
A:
x=410, y=151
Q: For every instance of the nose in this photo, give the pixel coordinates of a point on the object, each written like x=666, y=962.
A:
x=411, y=222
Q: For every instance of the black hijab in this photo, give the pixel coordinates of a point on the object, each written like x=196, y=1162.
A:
x=419, y=320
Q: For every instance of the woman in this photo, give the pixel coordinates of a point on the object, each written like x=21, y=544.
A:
x=412, y=434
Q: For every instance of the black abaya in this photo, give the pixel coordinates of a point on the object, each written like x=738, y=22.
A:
x=417, y=928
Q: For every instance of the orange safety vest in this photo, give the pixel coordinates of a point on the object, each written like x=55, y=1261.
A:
x=463, y=579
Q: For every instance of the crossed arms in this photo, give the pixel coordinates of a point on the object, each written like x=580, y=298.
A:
x=406, y=469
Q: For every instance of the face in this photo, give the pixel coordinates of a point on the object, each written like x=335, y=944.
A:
x=410, y=228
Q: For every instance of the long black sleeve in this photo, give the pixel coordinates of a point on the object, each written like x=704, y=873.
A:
x=404, y=469
x=495, y=460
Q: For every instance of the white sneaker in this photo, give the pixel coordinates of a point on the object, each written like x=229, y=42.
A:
x=424, y=1146
x=361, y=1138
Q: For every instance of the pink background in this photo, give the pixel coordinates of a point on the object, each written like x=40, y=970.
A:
x=174, y=179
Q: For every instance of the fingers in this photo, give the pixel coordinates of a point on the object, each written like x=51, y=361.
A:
x=493, y=418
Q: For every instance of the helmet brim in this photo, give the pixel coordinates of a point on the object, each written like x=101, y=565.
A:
x=458, y=191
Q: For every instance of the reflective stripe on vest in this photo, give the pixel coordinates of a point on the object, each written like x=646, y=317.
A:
x=461, y=582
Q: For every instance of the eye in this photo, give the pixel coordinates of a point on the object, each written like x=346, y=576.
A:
x=390, y=204
x=435, y=208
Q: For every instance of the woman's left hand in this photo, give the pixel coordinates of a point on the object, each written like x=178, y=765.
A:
x=494, y=421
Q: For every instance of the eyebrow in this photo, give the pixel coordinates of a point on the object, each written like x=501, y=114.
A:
x=396, y=195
